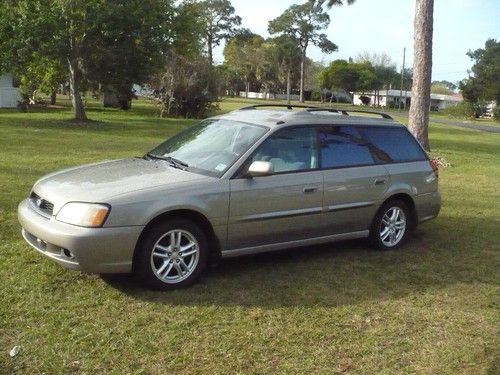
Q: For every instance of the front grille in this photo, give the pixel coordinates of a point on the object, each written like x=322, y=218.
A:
x=41, y=205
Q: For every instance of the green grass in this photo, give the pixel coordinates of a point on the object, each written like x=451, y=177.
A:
x=430, y=308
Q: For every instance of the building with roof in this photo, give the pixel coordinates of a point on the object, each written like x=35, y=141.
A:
x=9, y=95
x=391, y=98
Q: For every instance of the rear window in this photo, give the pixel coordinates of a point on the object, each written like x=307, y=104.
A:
x=394, y=145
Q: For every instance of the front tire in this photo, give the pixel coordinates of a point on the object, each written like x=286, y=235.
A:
x=172, y=254
x=390, y=226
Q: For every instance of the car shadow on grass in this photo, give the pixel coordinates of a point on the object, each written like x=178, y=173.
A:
x=335, y=274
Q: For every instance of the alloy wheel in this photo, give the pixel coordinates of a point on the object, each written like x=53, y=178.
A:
x=175, y=256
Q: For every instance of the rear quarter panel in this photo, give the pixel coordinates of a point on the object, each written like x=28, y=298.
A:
x=419, y=181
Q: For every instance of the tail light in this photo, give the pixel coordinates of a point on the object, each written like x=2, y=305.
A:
x=434, y=166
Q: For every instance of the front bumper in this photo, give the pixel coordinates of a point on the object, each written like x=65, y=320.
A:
x=94, y=250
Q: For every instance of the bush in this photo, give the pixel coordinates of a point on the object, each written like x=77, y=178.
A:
x=461, y=110
x=316, y=96
x=187, y=87
x=365, y=99
x=496, y=113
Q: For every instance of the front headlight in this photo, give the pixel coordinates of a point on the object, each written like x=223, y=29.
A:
x=83, y=214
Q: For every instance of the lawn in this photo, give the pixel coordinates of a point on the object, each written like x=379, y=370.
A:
x=430, y=308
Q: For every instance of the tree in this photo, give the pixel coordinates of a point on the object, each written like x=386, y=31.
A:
x=286, y=55
x=187, y=85
x=94, y=40
x=350, y=77
x=241, y=54
x=303, y=24
x=131, y=46
x=313, y=69
x=219, y=22
x=484, y=84
x=446, y=84
x=439, y=88
x=384, y=69
x=331, y=3
x=422, y=70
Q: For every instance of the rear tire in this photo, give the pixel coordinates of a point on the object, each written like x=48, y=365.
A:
x=172, y=254
x=391, y=225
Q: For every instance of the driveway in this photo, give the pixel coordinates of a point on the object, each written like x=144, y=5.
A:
x=466, y=124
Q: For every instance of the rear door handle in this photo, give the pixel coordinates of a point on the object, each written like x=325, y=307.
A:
x=379, y=181
x=310, y=189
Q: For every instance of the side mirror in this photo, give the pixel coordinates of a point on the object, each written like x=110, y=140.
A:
x=260, y=168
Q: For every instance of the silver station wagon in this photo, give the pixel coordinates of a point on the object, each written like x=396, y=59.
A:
x=253, y=180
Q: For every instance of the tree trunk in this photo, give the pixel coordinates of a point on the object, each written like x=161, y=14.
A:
x=288, y=86
x=247, y=88
x=422, y=71
x=53, y=97
x=76, y=99
x=302, y=75
x=209, y=50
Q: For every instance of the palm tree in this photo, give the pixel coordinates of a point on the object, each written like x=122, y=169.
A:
x=331, y=3
x=422, y=71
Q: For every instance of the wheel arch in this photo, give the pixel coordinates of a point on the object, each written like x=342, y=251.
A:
x=409, y=202
x=191, y=215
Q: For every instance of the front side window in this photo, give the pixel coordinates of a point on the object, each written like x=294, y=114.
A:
x=289, y=150
x=211, y=146
x=343, y=146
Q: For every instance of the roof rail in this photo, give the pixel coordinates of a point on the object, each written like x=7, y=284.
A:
x=346, y=111
x=288, y=106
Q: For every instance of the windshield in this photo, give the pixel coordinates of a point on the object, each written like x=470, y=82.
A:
x=211, y=146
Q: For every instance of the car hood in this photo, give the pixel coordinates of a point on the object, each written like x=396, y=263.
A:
x=101, y=181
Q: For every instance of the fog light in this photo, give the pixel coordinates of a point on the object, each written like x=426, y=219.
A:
x=67, y=253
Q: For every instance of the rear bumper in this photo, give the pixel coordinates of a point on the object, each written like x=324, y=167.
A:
x=427, y=206
x=94, y=250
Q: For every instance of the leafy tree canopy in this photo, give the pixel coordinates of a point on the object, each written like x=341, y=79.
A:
x=348, y=76
x=303, y=24
x=93, y=40
x=484, y=84
x=218, y=21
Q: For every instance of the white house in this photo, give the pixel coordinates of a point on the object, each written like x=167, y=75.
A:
x=9, y=95
x=391, y=98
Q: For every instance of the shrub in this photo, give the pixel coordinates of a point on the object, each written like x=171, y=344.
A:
x=316, y=96
x=496, y=113
x=365, y=99
x=461, y=110
x=187, y=87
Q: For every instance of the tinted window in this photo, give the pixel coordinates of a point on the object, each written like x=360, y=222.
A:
x=289, y=150
x=392, y=144
x=343, y=146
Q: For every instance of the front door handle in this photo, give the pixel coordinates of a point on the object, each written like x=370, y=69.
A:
x=379, y=181
x=310, y=189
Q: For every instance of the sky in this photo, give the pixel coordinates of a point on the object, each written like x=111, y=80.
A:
x=386, y=26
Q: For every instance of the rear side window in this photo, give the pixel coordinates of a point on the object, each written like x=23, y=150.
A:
x=343, y=146
x=392, y=145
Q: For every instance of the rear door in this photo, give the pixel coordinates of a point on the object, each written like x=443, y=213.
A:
x=282, y=207
x=354, y=184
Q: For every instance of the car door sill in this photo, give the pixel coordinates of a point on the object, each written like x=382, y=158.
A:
x=291, y=244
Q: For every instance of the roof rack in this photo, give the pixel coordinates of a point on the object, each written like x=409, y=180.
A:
x=346, y=111
x=288, y=106
x=311, y=108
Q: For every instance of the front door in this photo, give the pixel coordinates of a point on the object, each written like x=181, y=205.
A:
x=284, y=206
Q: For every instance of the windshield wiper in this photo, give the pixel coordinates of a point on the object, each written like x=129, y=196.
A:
x=176, y=163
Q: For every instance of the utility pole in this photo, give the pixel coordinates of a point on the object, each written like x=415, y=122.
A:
x=402, y=80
